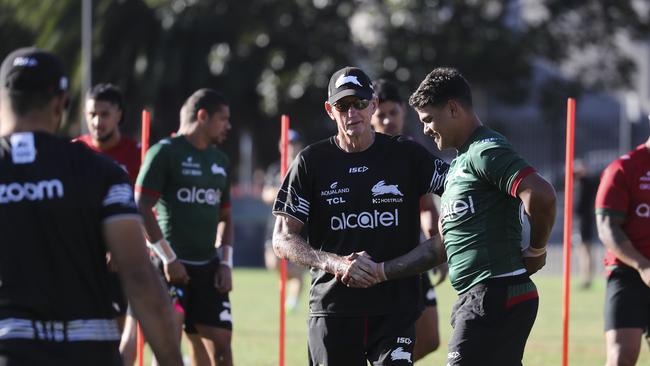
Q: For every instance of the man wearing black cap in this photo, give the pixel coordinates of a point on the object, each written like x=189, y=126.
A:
x=359, y=193
x=61, y=207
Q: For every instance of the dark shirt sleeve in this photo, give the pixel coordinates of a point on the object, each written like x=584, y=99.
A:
x=117, y=193
x=431, y=171
x=294, y=194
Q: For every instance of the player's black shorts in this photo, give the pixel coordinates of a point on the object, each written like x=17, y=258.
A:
x=353, y=341
x=118, y=300
x=428, y=291
x=627, y=300
x=201, y=301
x=492, y=322
x=27, y=352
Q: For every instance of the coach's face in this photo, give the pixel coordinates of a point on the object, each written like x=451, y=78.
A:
x=352, y=115
x=438, y=123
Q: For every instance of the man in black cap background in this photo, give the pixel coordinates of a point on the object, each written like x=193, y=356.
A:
x=358, y=192
x=61, y=207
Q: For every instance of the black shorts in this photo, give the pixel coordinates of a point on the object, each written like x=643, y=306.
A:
x=627, y=300
x=353, y=341
x=26, y=352
x=118, y=300
x=492, y=322
x=201, y=301
x=428, y=291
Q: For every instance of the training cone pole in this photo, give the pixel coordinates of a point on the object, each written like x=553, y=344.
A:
x=284, y=160
x=568, y=218
x=144, y=146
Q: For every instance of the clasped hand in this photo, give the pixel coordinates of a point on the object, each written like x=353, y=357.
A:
x=361, y=271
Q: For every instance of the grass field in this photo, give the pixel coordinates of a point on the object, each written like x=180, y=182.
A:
x=255, y=311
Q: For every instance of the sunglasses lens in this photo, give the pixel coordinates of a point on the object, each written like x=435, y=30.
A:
x=358, y=104
x=361, y=104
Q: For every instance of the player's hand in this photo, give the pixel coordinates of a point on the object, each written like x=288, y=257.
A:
x=363, y=272
x=441, y=270
x=223, y=279
x=534, y=264
x=175, y=273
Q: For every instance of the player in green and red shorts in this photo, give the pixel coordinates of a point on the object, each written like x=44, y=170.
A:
x=480, y=222
x=186, y=178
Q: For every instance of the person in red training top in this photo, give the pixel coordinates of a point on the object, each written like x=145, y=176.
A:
x=104, y=115
x=623, y=220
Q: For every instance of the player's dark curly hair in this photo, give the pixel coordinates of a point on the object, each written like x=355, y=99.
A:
x=441, y=85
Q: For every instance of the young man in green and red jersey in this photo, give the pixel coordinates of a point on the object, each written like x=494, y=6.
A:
x=481, y=227
x=623, y=220
x=186, y=178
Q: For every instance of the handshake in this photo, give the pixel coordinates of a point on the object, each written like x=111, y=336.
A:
x=358, y=270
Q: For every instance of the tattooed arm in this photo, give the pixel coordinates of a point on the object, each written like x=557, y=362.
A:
x=426, y=255
x=610, y=232
x=288, y=244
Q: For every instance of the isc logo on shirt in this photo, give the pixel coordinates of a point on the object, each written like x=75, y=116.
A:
x=358, y=169
x=36, y=191
x=199, y=195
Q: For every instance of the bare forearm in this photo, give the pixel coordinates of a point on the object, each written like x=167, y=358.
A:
x=541, y=213
x=225, y=232
x=426, y=255
x=145, y=208
x=615, y=239
x=152, y=307
x=294, y=248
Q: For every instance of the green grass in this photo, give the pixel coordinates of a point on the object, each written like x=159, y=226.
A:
x=255, y=311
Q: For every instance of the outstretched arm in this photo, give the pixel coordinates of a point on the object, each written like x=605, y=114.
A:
x=289, y=244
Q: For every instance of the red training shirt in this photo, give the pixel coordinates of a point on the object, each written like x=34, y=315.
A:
x=126, y=153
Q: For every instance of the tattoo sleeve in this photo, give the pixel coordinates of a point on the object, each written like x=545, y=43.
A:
x=425, y=256
x=288, y=244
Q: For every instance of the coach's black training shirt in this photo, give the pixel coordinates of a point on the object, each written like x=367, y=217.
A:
x=54, y=197
x=363, y=201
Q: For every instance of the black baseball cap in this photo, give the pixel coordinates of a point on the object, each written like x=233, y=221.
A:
x=349, y=81
x=28, y=70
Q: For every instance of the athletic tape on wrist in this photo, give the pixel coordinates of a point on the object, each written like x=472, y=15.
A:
x=157, y=247
x=534, y=252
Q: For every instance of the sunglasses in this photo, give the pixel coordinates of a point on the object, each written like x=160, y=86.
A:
x=358, y=104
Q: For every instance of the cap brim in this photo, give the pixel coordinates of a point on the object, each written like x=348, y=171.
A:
x=349, y=92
